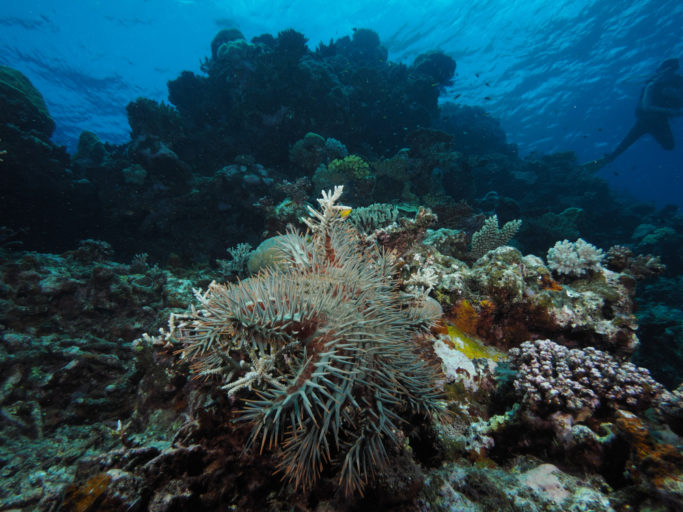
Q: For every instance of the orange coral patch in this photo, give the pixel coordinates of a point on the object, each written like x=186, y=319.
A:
x=87, y=497
x=465, y=317
x=649, y=458
x=548, y=283
x=473, y=320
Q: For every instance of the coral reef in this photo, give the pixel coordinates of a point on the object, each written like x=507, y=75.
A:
x=475, y=131
x=621, y=259
x=327, y=363
x=238, y=263
x=22, y=105
x=530, y=486
x=352, y=172
x=367, y=219
x=68, y=369
x=310, y=152
x=651, y=462
x=509, y=298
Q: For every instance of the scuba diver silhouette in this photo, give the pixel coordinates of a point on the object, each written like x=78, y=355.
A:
x=660, y=99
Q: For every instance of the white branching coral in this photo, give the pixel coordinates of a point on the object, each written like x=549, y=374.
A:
x=322, y=221
x=424, y=279
x=490, y=236
x=574, y=258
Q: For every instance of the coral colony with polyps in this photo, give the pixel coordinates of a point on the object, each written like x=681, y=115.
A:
x=192, y=320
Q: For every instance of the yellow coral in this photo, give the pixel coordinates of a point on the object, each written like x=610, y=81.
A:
x=472, y=347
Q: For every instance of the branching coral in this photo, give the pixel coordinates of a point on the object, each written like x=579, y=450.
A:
x=325, y=345
x=491, y=236
x=574, y=258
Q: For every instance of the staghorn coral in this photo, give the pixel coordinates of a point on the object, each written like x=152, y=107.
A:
x=323, y=343
x=239, y=260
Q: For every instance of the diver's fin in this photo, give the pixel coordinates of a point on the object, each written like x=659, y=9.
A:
x=596, y=165
x=660, y=129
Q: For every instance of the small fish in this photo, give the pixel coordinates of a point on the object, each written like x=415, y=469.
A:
x=345, y=212
x=457, y=96
x=487, y=98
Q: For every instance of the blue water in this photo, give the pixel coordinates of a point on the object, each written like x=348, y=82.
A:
x=560, y=75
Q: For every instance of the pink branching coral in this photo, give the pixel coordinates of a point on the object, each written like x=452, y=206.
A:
x=552, y=378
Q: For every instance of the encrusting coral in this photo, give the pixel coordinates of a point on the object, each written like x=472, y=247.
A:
x=325, y=346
